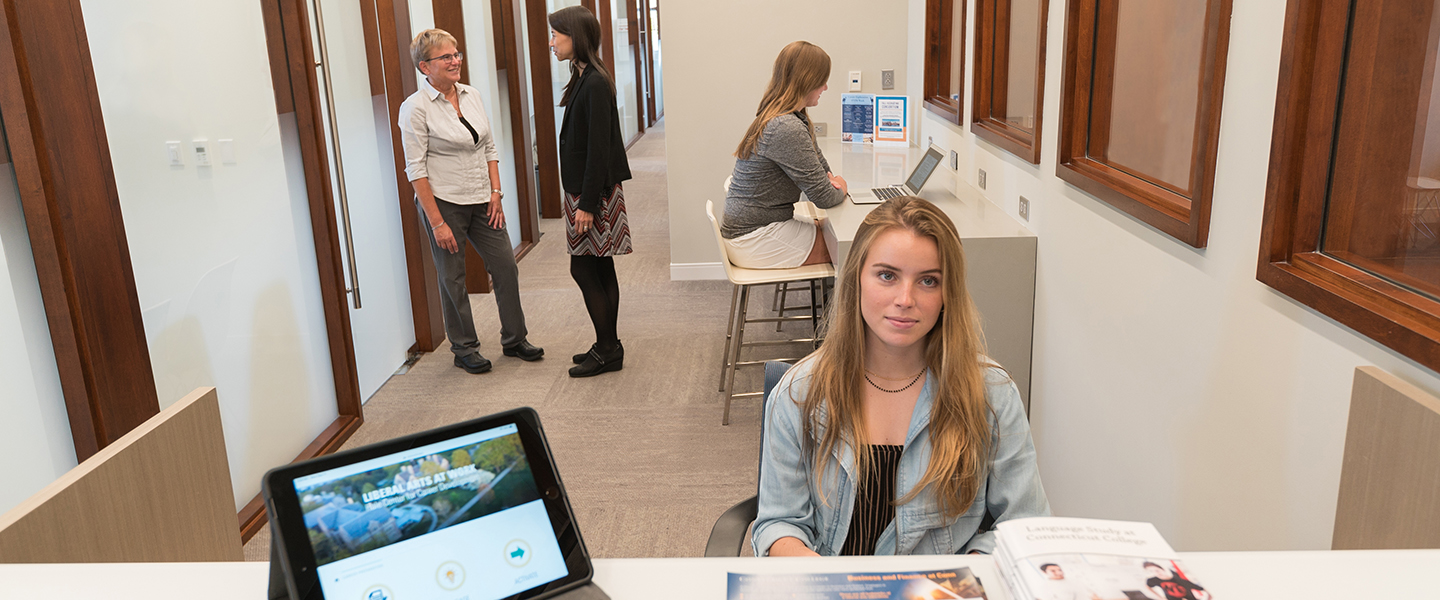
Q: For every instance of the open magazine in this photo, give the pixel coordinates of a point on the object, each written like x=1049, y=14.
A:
x=1057, y=558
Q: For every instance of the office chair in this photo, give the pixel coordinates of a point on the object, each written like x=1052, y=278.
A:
x=727, y=537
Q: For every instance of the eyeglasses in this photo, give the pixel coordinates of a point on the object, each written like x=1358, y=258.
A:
x=447, y=57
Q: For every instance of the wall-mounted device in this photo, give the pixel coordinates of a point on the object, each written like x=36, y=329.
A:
x=854, y=81
x=202, y=152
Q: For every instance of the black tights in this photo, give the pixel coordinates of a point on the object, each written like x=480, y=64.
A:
x=596, y=278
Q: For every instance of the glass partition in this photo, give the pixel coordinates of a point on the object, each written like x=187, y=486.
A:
x=624, y=67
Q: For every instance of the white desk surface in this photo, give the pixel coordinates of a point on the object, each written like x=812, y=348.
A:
x=1346, y=575
x=866, y=166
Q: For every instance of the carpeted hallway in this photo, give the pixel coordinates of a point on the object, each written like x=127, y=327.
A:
x=641, y=451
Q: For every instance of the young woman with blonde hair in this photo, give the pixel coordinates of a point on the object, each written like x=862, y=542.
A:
x=898, y=436
x=776, y=161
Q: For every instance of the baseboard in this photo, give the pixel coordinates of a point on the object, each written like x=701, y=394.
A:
x=696, y=271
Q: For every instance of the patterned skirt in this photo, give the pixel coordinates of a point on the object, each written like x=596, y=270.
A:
x=611, y=234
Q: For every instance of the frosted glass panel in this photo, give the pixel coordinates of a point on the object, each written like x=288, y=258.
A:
x=223, y=255
x=624, y=68
x=383, y=328
x=655, y=51
x=33, y=422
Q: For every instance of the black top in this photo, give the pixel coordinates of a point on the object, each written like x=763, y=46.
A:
x=1176, y=587
x=592, y=149
x=473, y=134
x=874, y=502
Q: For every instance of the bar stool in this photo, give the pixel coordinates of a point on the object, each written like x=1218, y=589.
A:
x=743, y=279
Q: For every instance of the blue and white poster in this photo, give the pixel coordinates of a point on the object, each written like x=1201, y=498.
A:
x=857, y=118
x=892, y=120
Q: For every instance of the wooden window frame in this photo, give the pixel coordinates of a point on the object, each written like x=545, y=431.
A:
x=992, y=48
x=939, y=20
x=1162, y=207
x=1301, y=153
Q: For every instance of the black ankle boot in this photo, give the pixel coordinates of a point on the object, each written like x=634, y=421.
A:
x=580, y=358
x=597, y=362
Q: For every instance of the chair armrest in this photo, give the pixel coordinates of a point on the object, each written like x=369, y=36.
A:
x=728, y=535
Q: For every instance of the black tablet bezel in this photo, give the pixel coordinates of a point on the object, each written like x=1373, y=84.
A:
x=293, y=541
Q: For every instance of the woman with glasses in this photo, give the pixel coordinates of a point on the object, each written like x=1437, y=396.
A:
x=451, y=161
x=592, y=165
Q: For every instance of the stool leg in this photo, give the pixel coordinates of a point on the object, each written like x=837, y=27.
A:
x=735, y=352
x=779, y=299
x=782, y=292
x=729, y=331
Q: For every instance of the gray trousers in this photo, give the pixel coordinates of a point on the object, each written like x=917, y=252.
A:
x=472, y=222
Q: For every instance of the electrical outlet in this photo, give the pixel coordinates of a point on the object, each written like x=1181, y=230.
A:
x=820, y=129
x=1025, y=208
x=954, y=160
x=887, y=79
x=982, y=179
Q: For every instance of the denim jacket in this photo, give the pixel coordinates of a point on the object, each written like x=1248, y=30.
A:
x=791, y=505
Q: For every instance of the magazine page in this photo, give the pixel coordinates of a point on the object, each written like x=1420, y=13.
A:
x=1105, y=577
x=946, y=584
x=1062, y=535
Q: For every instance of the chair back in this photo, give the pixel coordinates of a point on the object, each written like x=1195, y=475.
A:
x=774, y=370
x=160, y=493
x=720, y=241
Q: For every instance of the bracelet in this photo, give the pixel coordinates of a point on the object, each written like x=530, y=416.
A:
x=434, y=227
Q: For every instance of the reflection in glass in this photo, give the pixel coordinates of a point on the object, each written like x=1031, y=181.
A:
x=1383, y=212
x=659, y=80
x=1022, y=63
x=1152, y=100
x=957, y=52
x=624, y=67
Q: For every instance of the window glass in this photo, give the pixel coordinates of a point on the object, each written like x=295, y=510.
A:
x=1152, y=95
x=1022, y=64
x=1383, y=212
x=957, y=52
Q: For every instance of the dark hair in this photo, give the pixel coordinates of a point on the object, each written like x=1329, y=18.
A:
x=1048, y=565
x=1151, y=564
x=584, y=31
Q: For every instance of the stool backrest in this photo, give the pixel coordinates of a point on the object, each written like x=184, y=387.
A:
x=720, y=241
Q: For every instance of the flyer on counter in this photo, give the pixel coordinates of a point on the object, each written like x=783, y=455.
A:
x=892, y=120
x=945, y=584
x=857, y=118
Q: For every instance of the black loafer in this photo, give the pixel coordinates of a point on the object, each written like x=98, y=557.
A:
x=597, y=362
x=525, y=351
x=473, y=363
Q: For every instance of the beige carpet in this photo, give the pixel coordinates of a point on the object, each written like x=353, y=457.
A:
x=642, y=453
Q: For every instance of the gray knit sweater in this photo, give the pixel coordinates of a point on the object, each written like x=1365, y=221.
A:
x=766, y=186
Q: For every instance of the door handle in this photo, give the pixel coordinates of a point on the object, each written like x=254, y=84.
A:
x=324, y=65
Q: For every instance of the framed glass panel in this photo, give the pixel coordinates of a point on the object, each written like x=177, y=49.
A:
x=1010, y=74
x=1141, y=113
x=1353, y=202
x=944, y=57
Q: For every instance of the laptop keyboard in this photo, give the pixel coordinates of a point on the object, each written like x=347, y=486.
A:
x=887, y=193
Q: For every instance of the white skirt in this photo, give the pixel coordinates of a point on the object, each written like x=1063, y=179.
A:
x=781, y=245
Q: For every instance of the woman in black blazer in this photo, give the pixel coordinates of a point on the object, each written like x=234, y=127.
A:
x=592, y=165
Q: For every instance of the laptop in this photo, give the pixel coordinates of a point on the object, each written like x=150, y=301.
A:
x=911, y=187
x=472, y=510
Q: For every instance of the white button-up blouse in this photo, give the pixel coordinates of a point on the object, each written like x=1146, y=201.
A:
x=439, y=147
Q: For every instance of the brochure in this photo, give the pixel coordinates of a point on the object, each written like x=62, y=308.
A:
x=946, y=584
x=892, y=120
x=857, y=118
x=1056, y=558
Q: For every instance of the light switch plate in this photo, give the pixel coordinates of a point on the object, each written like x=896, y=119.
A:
x=854, y=81
x=954, y=160
x=982, y=179
x=172, y=152
x=227, y=151
x=1025, y=208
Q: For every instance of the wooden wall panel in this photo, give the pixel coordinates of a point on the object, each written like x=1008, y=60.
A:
x=160, y=493
x=67, y=189
x=1390, y=476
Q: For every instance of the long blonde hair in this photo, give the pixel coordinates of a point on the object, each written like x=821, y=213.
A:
x=960, y=442
x=801, y=68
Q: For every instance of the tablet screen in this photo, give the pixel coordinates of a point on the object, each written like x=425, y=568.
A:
x=456, y=519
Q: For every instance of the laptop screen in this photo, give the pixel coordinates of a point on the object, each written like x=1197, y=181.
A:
x=923, y=171
x=464, y=514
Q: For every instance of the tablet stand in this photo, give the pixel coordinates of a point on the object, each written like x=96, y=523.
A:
x=280, y=591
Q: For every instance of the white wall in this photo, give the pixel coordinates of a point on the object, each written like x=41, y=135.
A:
x=34, y=428
x=223, y=256
x=720, y=57
x=1169, y=385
